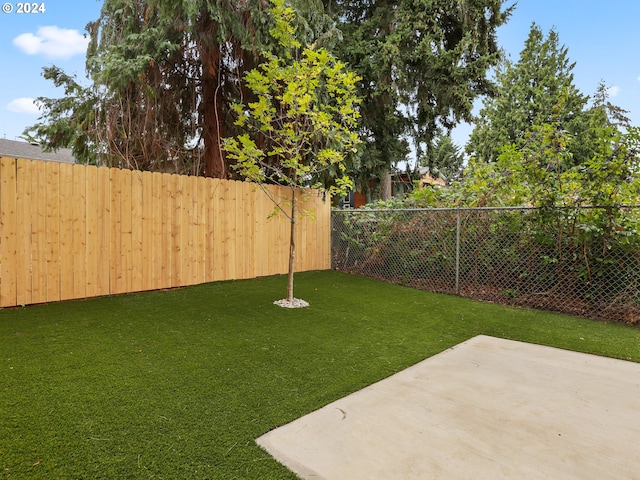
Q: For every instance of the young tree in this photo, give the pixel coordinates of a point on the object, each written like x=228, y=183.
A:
x=422, y=63
x=306, y=107
x=536, y=90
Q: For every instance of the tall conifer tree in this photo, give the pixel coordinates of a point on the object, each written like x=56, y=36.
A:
x=423, y=63
x=536, y=90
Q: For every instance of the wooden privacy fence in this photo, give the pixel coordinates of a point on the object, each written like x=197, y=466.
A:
x=75, y=231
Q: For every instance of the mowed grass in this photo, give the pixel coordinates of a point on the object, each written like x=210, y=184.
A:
x=179, y=384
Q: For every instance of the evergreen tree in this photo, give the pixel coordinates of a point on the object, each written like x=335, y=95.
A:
x=444, y=158
x=537, y=90
x=614, y=115
x=164, y=76
x=422, y=63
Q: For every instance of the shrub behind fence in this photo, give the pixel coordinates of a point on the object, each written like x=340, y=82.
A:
x=583, y=261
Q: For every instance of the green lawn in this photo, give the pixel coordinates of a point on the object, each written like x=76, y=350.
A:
x=178, y=384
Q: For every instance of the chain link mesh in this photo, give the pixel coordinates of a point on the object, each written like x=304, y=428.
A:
x=583, y=261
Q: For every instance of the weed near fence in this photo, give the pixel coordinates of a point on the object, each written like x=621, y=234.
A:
x=583, y=261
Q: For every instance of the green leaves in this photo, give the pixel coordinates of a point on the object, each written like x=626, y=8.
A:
x=304, y=112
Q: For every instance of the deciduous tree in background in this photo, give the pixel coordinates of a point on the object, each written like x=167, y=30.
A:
x=306, y=107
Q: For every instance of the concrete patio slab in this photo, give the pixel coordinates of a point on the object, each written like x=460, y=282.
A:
x=484, y=409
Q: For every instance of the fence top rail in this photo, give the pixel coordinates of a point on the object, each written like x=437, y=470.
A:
x=473, y=209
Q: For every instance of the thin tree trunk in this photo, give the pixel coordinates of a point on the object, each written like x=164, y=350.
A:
x=212, y=125
x=292, y=247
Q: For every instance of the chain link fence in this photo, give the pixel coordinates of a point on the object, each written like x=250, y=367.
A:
x=583, y=261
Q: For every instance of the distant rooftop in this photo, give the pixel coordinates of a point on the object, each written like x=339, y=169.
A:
x=17, y=149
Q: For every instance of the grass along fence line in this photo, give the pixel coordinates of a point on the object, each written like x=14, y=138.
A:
x=75, y=231
x=180, y=383
x=578, y=260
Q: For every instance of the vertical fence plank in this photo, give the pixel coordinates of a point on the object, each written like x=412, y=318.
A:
x=280, y=231
x=136, y=231
x=147, y=237
x=304, y=222
x=52, y=170
x=322, y=243
x=103, y=246
x=165, y=199
x=79, y=195
x=92, y=208
x=231, y=233
x=261, y=241
x=126, y=209
x=8, y=225
x=66, y=253
x=39, y=233
x=238, y=236
x=247, y=207
x=176, y=230
x=215, y=240
x=209, y=233
x=115, y=232
x=201, y=240
x=189, y=229
x=221, y=249
x=24, y=200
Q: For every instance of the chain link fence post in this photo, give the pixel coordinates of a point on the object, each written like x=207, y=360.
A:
x=458, y=251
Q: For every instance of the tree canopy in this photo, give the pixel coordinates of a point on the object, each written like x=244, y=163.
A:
x=422, y=63
x=163, y=78
x=535, y=90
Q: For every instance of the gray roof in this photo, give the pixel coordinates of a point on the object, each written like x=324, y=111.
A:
x=16, y=149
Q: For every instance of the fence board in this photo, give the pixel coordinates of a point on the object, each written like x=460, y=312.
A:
x=73, y=231
x=137, y=206
x=148, y=239
x=52, y=170
x=126, y=208
x=189, y=229
x=39, y=233
x=163, y=275
x=8, y=237
x=66, y=252
x=23, y=233
x=79, y=248
x=209, y=232
x=115, y=232
x=262, y=210
x=103, y=246
x=92, y=222
x=216, y=242
x=201, y=240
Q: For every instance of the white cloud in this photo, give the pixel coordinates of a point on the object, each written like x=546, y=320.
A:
x=613, y=91
x=53, y=42
x=23, y=105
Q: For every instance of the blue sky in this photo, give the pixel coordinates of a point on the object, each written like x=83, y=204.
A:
x=31, y=41
x=603, y=40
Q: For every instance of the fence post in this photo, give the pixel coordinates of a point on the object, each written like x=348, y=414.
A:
x=458, y=251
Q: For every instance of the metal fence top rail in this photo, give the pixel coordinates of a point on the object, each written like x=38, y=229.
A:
x=473, y=209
